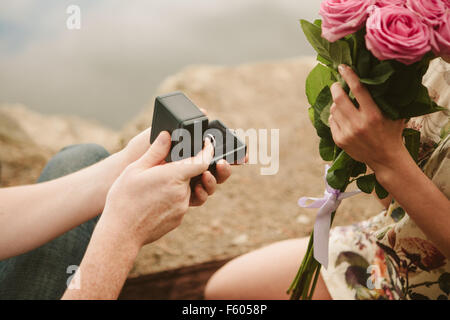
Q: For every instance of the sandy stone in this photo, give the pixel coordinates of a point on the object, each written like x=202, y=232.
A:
x=28, y=139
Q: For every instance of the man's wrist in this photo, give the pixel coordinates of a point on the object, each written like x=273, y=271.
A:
x=122, y=159
x=107, y=228
x=106, y=264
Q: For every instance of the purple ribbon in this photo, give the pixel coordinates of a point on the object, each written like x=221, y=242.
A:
x=328, y=204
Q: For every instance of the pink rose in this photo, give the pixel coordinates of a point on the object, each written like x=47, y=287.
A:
x=343, y=17
x=397, y=33
x=431, y=11
x=384, y=3
x=440, y=40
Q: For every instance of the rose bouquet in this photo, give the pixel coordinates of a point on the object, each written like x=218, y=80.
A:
x=389, y=44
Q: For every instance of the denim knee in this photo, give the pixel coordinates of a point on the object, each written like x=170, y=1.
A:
x=71, y=159
x=41, y=273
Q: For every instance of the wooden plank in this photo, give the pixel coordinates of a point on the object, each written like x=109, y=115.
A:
x=179, y=284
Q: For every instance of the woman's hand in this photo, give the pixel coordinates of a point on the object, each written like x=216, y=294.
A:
x=150, y=197
x=364, y=133
x=367, y=136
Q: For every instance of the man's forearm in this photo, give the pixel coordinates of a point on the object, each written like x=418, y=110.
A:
x=417, y=194
x=105, y=266
x=35, y=214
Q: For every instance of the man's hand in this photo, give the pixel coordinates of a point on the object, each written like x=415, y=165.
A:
x=150, y=197
x=148, y=200
x=206, y=186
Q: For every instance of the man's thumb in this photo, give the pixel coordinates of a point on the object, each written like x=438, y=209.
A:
x=157, y=152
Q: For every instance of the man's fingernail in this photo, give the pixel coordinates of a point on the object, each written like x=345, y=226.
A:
x=212, y=148
x=163, y=138
x=341, y=68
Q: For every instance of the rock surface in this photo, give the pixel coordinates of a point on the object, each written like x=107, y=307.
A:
x=250, y=210
x=28, y=139
x=20, y=158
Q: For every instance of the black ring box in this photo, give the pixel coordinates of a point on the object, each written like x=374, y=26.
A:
x=176, y=111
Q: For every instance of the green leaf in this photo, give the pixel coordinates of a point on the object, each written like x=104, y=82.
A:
x=387, y=108
x=339, y=173
x=313, y=34
x=444, y=282
x=380, y=191
x=363, y=60
x=358, y=168
x=366, y=183
x=378, y=90
x=326, y=149
x=417, y=108
x=404, y=85
x=337, y=178
x=341, y=162
x=325, y=115
x=412, y=142
x=324, y=61
x=340, y=53
x=379, y=74
x=421, y=105
x=322, y=130
x=317, y=79
x=337, y=52
x=323, y=100
x=311, y=114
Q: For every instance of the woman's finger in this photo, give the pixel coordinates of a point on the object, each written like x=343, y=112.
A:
x=335, y=130
x=360, y=92
x=343, y=110
x=338, y=115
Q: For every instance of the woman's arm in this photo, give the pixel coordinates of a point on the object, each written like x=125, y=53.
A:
x=367, y=136
x=419, y=196
x=384, y=202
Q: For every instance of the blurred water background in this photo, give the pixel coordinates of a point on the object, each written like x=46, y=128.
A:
x=110, y=68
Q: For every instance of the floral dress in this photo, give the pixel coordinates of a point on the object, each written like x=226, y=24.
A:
x=388, y=256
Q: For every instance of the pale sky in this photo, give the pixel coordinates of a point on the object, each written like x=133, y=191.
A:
x=110, y=68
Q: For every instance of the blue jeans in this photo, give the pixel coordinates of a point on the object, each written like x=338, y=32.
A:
x=43, y=272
